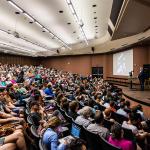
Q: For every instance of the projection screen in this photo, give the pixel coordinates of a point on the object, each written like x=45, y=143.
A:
x=123, y=63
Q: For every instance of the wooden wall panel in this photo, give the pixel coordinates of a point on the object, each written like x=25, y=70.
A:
x=16, y=59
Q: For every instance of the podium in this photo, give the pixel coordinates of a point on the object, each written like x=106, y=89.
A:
x=131, y=80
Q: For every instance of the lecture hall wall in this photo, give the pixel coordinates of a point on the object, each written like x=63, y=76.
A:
x=82, y=64
x=16, y=59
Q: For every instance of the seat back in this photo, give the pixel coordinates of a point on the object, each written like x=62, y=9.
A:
x=119, y=118
x=29, y=120
x=107, y=124
x=42, y=146
x=93, y=140
x=128, y=134
x=101, y=107
x=107, y=146
x=34, y=131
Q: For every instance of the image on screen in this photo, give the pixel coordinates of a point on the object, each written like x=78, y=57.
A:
x=123, y=63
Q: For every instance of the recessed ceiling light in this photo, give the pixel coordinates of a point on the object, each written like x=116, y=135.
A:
x=17, y=12
x=94, y=12
x=68, y=23
x=94, y=5
x=95, y=17
x=61, y=11
x=96, y=26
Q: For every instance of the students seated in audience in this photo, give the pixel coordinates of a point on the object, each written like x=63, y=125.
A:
x=117, y=139
x=73, y=109
x=64, y=104
x=112, y=106
x=97, y=127
x=74, y=94
x=35, y=113
x=106, y=102
x=107, y=115
x=140, y=111
x=48, y=91
x=50, y=136
x=85, y=114
x=133, y=125
x=13, y=141
x=122, y=111
x=127, y=106
x=77, y=144
x=98, y=99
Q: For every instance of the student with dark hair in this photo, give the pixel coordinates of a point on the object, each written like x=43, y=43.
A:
x=117, y=139
x=35, y=114
x=73, y=108
x=48, y=91
x=121, y=111
x=112, y=106
x=140, y=111
x=77, y=144
x=97, y=127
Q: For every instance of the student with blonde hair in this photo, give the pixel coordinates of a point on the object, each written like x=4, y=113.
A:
x=50, y=136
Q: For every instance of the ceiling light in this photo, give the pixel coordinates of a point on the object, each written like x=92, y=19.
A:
x=94, y=5
x=51, y=34
x=15, y=6
x=46, y=29
x=17, y=12
x=38, y=24
x=61, y=11
x=28, y=16
x=69, y=1
x=72, y=9
x=80, y=23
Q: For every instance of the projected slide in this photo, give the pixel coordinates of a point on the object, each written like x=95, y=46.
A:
x=123, y=63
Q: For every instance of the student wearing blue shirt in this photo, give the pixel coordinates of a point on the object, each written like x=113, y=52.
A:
x=50, y=136
x=49, y=91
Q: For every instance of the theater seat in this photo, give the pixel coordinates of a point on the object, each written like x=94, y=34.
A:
x=107, y=146
x=93, y=140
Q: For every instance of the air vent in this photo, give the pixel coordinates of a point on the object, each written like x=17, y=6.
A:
x=142, y=38
x=16, y=34
x=112, y=49
x=124, y=45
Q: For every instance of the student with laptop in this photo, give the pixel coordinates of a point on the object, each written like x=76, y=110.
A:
x=50, y=136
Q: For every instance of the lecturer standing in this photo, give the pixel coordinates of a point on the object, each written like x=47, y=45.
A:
x=142, y=77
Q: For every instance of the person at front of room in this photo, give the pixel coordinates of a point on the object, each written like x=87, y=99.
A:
x=141, y=77
x=130, y=76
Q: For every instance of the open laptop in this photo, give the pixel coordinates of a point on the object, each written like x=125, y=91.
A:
x=75, y=132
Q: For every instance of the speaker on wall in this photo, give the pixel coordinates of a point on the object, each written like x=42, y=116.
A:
x=93, y=49
x=58, y=51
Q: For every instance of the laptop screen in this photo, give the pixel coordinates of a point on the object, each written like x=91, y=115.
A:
x=75, y=131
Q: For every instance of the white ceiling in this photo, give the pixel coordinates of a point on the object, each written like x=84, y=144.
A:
x=46, y=12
